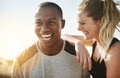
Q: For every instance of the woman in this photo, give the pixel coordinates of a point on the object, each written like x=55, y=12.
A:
x=98, y=20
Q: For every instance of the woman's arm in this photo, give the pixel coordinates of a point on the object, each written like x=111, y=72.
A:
x=85, y=42
x=113, y=61
x=75, y=38
x=81, y=52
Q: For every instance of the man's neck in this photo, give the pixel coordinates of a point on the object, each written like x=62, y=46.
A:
x=55, y=49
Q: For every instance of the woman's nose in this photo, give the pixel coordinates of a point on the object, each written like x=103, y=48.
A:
x=79, y=28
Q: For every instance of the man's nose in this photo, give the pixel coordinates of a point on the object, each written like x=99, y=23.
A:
x=44, y=27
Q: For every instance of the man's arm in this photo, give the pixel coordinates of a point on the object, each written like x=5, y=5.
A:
x=17, y=73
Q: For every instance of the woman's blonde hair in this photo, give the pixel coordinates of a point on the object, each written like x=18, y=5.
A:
x=108, y=13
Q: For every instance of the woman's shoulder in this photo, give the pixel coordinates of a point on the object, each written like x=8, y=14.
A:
x=114, y=50
x=115, y=46
x=113, y=54
x=112, y=60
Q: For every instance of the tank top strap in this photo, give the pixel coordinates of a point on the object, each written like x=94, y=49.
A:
x=114, y=40
x=94, y=46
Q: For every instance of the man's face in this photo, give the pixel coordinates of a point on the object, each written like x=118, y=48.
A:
x=48, y=26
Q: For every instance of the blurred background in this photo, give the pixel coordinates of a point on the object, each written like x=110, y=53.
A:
x=17, y=28
x=5, y=68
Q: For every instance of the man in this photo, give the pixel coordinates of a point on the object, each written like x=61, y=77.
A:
x=50, y=56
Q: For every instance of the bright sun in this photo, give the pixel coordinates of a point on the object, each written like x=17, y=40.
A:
x=13, y=45
x=11, y=48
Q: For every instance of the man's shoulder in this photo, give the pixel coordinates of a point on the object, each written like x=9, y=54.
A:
x=69, y=48
x=27, y=54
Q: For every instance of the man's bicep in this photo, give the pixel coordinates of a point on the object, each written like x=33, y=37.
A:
x=17, y=72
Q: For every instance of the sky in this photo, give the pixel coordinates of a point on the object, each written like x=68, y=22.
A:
x=17, y=23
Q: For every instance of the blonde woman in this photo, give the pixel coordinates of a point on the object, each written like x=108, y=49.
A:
x=98, y=20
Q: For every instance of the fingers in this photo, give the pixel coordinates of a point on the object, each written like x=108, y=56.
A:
x=81, y=61
x=84, y=60
x=77, y=57
x=85, y=63
x=89, y=63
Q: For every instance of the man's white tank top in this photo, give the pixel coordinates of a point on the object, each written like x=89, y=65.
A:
x=62, y=65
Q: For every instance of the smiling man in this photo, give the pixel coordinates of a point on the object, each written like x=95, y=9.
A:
x=50, y=56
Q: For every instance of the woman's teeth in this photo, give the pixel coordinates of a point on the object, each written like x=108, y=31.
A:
x=85, y=33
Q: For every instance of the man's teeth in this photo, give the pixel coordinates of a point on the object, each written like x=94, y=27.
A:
x=46, y=37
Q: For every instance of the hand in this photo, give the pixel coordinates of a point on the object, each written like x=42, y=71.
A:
x=83, y=56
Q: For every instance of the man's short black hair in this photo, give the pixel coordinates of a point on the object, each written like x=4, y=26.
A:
x=53, y=5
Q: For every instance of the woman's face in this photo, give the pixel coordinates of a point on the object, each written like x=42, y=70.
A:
x=88, y=26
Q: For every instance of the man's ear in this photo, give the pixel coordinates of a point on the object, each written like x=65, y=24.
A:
x=63, y=23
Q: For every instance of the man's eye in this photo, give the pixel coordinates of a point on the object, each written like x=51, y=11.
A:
x=38, y=23
x=51, y=23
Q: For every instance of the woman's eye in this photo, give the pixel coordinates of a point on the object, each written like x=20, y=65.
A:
x=81, y=23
